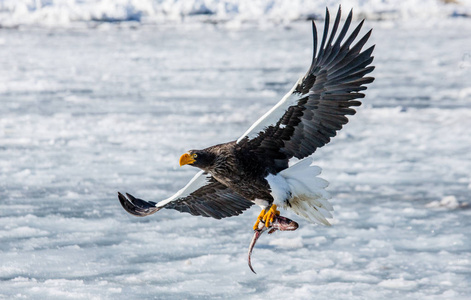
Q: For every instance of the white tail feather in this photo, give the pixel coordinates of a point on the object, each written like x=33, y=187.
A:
x=309, y=198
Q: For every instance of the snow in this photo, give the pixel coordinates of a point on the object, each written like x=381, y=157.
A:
x=87, y=113
x=449, y=202
x=234, y=13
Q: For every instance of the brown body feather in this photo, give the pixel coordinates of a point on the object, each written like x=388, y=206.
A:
x=326, y=95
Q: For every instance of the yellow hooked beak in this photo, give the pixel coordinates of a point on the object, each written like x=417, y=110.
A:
x=187, y=159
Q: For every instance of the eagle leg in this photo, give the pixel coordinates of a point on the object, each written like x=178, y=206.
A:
x=269, y=217
x=259, y=218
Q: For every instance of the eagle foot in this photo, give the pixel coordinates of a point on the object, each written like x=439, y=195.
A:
x=269, y=217
x=259, y=218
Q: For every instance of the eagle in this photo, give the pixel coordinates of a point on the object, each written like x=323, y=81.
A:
x=270, y=164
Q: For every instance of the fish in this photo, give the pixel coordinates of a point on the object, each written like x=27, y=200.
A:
x=279, y=223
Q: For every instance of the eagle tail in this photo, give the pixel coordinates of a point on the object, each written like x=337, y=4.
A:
x=309, y=198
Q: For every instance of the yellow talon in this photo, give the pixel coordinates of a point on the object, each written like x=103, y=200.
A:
x=270, y=215
x=259, y=218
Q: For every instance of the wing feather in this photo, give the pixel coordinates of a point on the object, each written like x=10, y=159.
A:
x=202, y=196
x=316, y=107
x=324, y=36
x=213, y=200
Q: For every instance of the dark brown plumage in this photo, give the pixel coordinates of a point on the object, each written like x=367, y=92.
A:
x=234, y=174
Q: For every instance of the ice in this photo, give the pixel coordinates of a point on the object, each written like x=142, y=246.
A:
x=287, y=243
x=399, y=283
x=86, y=113
x=233, y=13
x=449, y=202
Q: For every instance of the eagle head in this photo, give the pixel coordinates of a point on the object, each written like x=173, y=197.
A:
x=198, y=158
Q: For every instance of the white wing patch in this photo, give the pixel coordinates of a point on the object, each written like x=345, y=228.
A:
x=273, y=115
x=199, y=180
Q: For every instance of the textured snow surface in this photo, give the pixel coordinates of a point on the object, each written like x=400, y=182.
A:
x=85, y=113
x=66, y=13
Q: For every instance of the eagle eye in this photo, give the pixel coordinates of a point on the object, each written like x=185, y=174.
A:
x=195, y=155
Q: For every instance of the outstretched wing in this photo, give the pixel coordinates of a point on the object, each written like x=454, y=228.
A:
x=202, y=196
x=316, y=107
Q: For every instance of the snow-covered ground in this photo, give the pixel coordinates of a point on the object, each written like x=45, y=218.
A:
x=88, y=112
x=90, y=13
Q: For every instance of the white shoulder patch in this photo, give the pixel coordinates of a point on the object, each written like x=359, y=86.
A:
x=199, y=180
x=273, y=115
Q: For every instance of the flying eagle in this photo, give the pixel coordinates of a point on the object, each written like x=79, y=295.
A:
x=258, y=168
